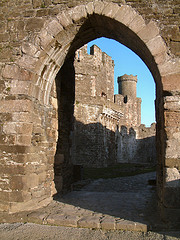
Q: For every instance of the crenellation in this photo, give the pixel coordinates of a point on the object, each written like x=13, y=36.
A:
x=104, y=116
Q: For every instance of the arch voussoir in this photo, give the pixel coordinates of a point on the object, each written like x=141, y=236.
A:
x=156, y=46
x=148, y=32
x=43, y=39
x=64, y=19
x=137, y=24
x=90, y=8
x=53, y=27
x=110, y=10
x=125, y=15
x=99, y=7
x=77, y=13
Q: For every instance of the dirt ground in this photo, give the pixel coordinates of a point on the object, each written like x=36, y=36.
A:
x=30, y=231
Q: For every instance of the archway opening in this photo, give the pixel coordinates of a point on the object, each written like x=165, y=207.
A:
x=107, y=128
x=66, y=79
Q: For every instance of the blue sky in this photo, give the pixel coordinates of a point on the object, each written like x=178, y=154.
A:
x=127, y=62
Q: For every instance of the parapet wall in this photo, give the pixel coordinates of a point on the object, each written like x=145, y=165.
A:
x=94, y=73
x=136, y=145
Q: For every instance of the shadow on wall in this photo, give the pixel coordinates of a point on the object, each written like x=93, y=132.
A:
x=94, y=145
x=135, y=149
x=65, y=87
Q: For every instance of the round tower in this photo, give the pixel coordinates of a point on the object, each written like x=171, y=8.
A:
x=127, y=85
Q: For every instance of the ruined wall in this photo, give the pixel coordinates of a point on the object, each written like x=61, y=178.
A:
x=136, y=145
x=94, y=131
x=107, y=128
x=94, y=73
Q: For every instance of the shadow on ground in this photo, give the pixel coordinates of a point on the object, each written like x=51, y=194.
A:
x=130, y=198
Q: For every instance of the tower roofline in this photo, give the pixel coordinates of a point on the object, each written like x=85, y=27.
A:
x=127, y=77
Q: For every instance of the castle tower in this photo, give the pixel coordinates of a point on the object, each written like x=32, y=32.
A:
x=127, y=85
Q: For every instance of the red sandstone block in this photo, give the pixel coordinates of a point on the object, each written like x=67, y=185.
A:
x=15, y=72
x=24, y=140
x=15, y=106
x=24, y=128
x=171, y=82
x=149, y=32
x=172, y=119
x=21, y=117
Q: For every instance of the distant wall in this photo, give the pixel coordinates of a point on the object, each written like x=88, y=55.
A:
x=136, y=145
x=94, y=73
x=93, y=138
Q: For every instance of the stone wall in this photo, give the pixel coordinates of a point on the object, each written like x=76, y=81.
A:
x=102, y=121
x=136, y=145
x=35, y=39
x=94, y=132
x=94, y=73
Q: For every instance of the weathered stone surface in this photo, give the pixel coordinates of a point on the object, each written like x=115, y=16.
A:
x=156, y=46
x=171, y=82
x=130, y=226
x=53, y=27
x=98, y=7
x=90, y=222
x=169, y=68
x=15, y=72
x=108, y=223
x=77, y=13
x=90, y=8
x=15, y=106
x=64, y=19
x=34, y=24
x=19, y=87
x=172, y=163
x=44, y=38
x=29, y=49
x=125, y=15
x=110, y=10
x=172, y=178
x=149, y=32
x=137, y=24
x=23, y=22
x=172, y=119
x=172, y=103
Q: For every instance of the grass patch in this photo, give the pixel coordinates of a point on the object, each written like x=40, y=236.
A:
x=118, y=170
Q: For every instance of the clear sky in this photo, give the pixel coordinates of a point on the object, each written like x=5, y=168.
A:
x=127, y=62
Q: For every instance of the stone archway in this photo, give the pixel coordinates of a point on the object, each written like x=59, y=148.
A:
x=30, y=135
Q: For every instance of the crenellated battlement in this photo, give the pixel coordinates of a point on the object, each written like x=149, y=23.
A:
x=96, y=54
x=94, y=73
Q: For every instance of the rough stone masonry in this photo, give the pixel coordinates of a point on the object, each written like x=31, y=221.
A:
x=40, y=37
x=107, y=128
